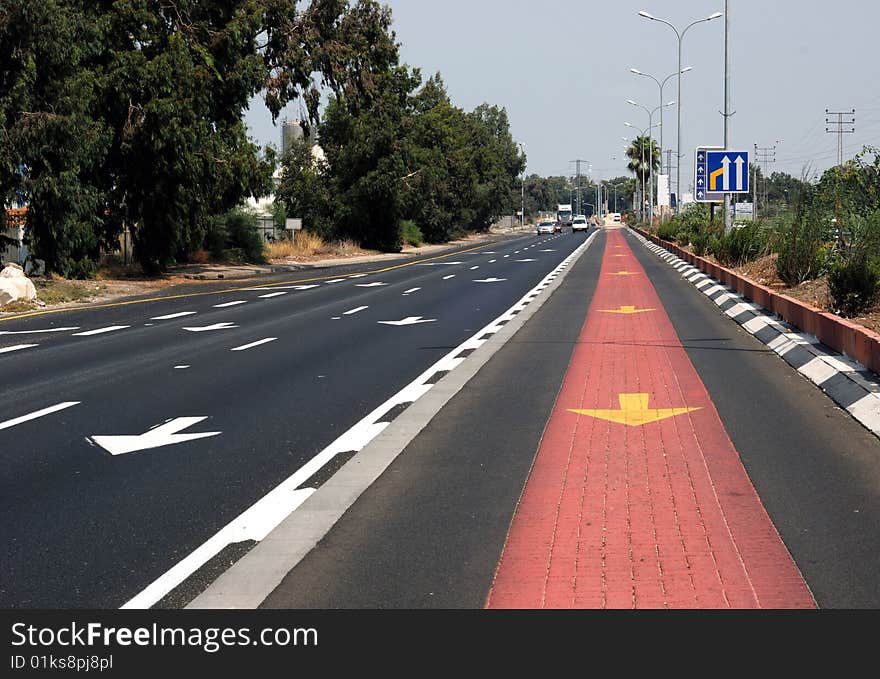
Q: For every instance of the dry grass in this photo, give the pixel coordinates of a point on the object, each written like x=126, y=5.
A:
x=311, y=246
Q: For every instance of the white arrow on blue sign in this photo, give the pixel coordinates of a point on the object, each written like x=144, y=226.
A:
x=727, y=171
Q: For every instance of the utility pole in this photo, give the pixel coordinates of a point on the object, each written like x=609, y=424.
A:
x=578, y=161
x=727, y=113
x=764, y=155
x=840, y=127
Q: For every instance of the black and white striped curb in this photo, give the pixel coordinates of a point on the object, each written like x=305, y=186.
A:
x=849, y=384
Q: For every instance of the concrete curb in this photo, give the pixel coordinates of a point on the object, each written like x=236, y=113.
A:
x=850, y=384
x=247, y=583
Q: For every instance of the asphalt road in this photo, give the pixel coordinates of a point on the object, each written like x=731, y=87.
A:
x=269, y=376
x=85, y=528
x=429, y=532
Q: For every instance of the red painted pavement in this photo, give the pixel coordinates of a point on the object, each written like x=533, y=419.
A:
x=661, y=515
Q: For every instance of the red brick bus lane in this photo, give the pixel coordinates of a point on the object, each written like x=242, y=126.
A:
x=638, y=498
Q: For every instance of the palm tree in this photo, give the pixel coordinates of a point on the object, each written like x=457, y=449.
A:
x=644, y=156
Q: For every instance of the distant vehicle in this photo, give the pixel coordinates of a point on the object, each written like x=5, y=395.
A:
x=615, y=217
x=564, y=214
x=580, y=224
x=546, y=226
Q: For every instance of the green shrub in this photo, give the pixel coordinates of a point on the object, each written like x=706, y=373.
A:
x=800, y=246
x=741, y=245
x=854, y=284
x=700, y=242
x=410, y=233
x=684, y=237
x=234, y=237
x=242, y=234
x=669, y=230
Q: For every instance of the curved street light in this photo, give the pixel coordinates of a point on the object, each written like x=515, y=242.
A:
x=680, y=35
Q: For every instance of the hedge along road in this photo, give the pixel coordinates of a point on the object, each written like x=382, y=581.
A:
x=142, y=430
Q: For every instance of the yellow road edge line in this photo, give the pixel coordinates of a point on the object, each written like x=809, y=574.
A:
x=131, y=302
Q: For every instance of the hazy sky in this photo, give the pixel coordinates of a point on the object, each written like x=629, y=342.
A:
x=561, y=69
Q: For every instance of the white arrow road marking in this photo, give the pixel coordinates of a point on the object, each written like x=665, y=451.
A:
x=355, y=311
x=208, y=328
x=491, y=280
x=411, y=320
x=273, y=294
x=739, y=172
x=411, y=291
x=255, y=344
x=725, y=164
x=163, y=435
x=446, y=278
x=371, y=285
x=170, y=316
x=33, y=332
x=38, y=413
x=100, y=331
x=229, y=304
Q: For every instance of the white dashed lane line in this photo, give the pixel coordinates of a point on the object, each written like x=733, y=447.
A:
x=39, y=413
x=229, y=304
x=34, y=332
x=168, y=317
x=272, y=294
x=371, y=285
x=411, y=291
x=446, y=278
x=355, y=311
x=17, y=347
x=101, y=331
x=255, y=344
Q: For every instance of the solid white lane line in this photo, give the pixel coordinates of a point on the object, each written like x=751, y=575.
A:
x=34, y=332
x=272, y=294
x=255, y=344
x=100, y=331
x=38, y=413
x=446, y=278
x=168, y=317
x=229, y=304
x=411, y=291
x=354, y=311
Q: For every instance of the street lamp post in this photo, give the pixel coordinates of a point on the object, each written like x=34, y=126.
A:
x=661, y=85
x=522, y=195
x=680, y=35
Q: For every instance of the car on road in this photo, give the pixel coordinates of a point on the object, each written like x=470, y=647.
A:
x=546, y=227
x=580, y=224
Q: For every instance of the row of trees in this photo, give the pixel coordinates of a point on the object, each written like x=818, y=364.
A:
x=408, y=156
x=131, y=113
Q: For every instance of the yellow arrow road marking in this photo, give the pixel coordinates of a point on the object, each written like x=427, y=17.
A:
x=626, y=310
x=634, y=411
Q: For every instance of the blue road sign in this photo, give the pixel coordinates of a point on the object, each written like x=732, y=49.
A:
x=720, y=172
